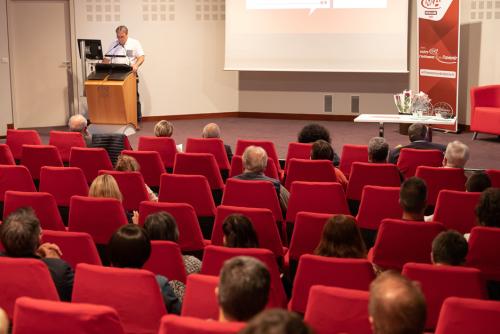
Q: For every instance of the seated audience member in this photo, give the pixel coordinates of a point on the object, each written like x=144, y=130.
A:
x=413, y=198
x=78, y=123
x=397, y=305
x=4, y=322
x=20, y=235
x=239, y=232
x=478, y=182
x=277, y=321
x=456, y=155
x=377, y=150
x=130, y=247
x=341, y=238
x=212, y=130
x=313, y=132
x=243, y=289
x=126, y=163
x=449, y=248
x=417, y=133
x=254, y=164
x=488, y=208
x=322, y=150
x=161, y=225
x=164, y=129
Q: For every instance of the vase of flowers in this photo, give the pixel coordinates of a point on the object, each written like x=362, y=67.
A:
x=403, y=102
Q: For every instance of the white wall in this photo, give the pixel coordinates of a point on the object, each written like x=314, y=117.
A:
x=5, y=92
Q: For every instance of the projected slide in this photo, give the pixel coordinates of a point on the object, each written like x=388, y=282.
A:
x=314, y=4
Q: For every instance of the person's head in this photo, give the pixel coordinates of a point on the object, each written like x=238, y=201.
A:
x=126, y=163
x=254, y=159
x=239, y=232
x=488, y=208
x=161, y=225
x=77, y=123
x=129, y=247
x=450, y=248
x=105, y=186
x=164, y=129
x=413, y=197
x=20, y=233
x=243, y=289
x=121, y=34
x=341, y=238
x=277, y=321
x=397, y=305
x=456, y=155
x=321, y=150
x=211, y=130
x=478, y=182
x=417, y=131
x=312, y=132
x=378, y=149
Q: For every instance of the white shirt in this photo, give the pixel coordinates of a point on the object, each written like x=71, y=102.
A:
x=132, y=50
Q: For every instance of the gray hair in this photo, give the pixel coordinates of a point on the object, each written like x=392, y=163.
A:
x=77, y=123
x=378, y=149
x=122, y=29
x=456, y=155
x=254, y=159
x=211, y=130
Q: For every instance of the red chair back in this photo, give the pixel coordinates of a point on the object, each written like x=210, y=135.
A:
x=76, y=247
x=237, y=167
x=64, y=141
x=199, y=164
x=484, y=107
x=376, y=204
x=268, y=146
x=166, y=260
x=15, y=178
x=17, y=138
x=151, y=165
x=350, y=154
x=439, y=178
x=363, y=174
x=456, y=210
x=90, y=161
x=200, y=300
x=171, y=324
x=36, y=156
x=484, y=247
x=6, y=157
x=310, y=171
x=494, y=175
x=297, y=151
x=214, y=146
x=307, y=232
x=165, y=146
x=410, y=158
x=63, y=182
x=131, y=186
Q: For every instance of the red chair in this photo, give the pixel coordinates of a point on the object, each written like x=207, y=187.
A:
x=410, y=158
x=484, y=247
x=166, y=260
x=20, y=282
x=494, y=175
x=297, y=151
x=200, y=300
x=237, y=167
x=131, y=186
x=441, y=282
x=165, y=146
x=63, y=182
x=329, y=271
x=464, y=316
x=338, y=310
x=268, y=146
x=171, y=324
x=151, y=165
x=350, y=154
x=485, y=109
x=64, y=141
x=199, y=164
x=36, y=156
x=6, y=157
x=44, y=316
x=364, y=174
x=214, y=146
x=376, y=204
x=90, y=161
x=43, y=204
x=399, y=242
x=439, y=178
x=14, y=178
x=140, y=311
x=214, y=257
x=310, y=171
x=99, y=217
x=76, y=247
x=17, y=138
x=456, y=210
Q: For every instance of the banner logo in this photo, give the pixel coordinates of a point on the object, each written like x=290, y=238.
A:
x=433, y=53
x=431, y=4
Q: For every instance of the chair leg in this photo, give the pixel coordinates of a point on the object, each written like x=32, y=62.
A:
x=474, y=136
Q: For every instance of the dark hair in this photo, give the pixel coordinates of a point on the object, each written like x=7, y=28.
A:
x=341, y=238
x=239, y=232
x=312, y=132
x=129, y=247
x=161, y=225
x=243, y=287
x=449, y=247
x=277, y=321
x=321, y=150
x=20, y=233
x=417, y=131
x=413, y=195
x=378, y=149
x=478, y=182
x=488, y=208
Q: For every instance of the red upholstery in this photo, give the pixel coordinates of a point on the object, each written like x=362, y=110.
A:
x=268, y=146
x=190, y=237
x=44, y=205
x=338, y=310
x=399, y=242
x=171, y=324
x=410, y=158
x=237, y=167
x=76, y=247
x=456, y=210
x=151, y=165
x=64, y=141
x=165, y=146
x=90, y=160
x=464, y=316
x=485, y=109
x=99, y=217
x=15, y=178
x=307, y=232
x=494, y=175
x=484, y=247
x=6, y=157
x=376, y=204
x=214, y=258
x=297, y=151
x=364, y=173
x=439, y=178
x=441, y=282
x=199, y=164
x=310, y=171
x=329, y=271
x=20, y=281
x=43, y=316
x=166, y=260
x=350, y=154
x=36, y=156
x=17, y=138
x=63, y=182
x=131, y=186
x=214, y=146
x=140, y=310
x=200, y=300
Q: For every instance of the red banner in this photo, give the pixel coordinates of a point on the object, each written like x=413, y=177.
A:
x=438, y=54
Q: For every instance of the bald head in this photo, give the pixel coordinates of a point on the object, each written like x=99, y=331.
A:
x=211, y=130
x=254, y=159
x=77, y=123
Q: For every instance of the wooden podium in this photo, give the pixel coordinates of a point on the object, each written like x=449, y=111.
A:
x=112, y=97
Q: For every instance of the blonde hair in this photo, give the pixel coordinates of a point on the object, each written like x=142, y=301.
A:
x=105, y=186
x=164, y=129
x=126, y=163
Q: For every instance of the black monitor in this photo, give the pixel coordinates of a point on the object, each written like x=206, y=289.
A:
x=93, y=48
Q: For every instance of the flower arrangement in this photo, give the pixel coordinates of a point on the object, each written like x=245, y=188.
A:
x=409, y=103
x=403, y=101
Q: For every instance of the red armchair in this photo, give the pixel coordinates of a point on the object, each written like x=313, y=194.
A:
x=485, y=109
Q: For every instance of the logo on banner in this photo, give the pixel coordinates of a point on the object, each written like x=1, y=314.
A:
x=433, y=9
x=433, y=53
